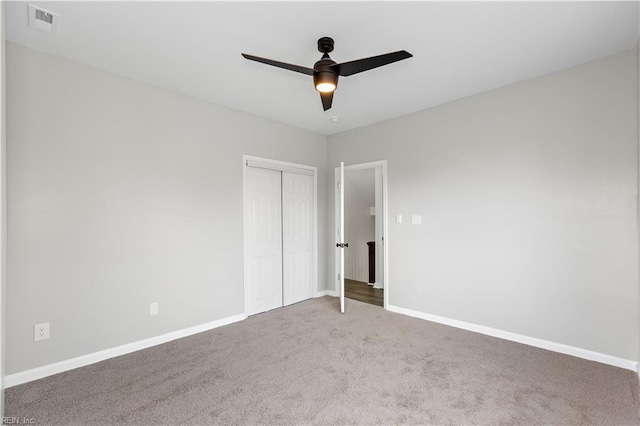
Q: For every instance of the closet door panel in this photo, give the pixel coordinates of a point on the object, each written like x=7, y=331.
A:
x=265, y=240
x=297, y=240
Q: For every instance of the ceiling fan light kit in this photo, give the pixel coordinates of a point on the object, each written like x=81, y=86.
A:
x=325, y=72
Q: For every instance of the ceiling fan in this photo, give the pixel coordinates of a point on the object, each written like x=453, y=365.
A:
x=325, y=72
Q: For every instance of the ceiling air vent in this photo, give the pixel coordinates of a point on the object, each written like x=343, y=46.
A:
x=43, y=20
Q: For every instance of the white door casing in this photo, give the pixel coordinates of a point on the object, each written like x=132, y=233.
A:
x=264, y=233
x=379, y=221
x=297, y=237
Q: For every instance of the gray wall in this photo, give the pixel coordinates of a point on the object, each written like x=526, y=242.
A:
x=528, y=197
x=122, y=194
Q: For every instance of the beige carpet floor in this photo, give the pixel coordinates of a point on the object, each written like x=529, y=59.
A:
x=307, y=364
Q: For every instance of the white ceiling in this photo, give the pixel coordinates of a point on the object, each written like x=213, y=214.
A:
x=459, y=48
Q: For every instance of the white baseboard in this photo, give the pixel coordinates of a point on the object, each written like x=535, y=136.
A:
x=514, y=337
x=81, y=361
x=323, y=293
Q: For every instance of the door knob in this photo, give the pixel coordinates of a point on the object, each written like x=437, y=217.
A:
x=342, y=245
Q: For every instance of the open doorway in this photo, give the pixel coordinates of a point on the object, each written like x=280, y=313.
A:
x=364, y=231
x=361, y=281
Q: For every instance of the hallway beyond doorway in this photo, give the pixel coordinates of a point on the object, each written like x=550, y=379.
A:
x=363, y=292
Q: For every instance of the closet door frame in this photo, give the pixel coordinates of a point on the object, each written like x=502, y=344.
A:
x=283, y=166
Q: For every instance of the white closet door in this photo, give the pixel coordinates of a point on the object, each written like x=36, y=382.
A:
x=265, y=240
x=297, y=239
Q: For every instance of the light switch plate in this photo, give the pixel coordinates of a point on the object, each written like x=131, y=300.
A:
x=398, y=219
x=153, y=308
x=416, y=219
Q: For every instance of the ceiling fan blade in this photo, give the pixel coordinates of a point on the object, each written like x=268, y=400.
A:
x=291, y=67
x=354, y=67
x=327, y=99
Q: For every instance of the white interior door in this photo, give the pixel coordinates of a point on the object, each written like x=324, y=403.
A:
x=297, y=237
x=340, y=246
x=264, y=198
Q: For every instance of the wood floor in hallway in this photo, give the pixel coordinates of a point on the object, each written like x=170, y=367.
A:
x=363, y=292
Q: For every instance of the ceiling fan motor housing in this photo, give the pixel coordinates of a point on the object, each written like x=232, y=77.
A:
x=323, y=73
x=325, y=45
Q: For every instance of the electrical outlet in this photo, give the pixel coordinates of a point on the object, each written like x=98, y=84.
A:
x=153, y=308
x=40, y=332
